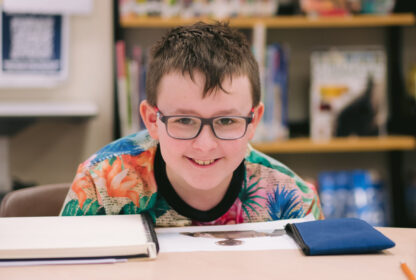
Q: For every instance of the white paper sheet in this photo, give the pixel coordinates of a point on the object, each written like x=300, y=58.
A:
x=174, y=239
x=61, y=262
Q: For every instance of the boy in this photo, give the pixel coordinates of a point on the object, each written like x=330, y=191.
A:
x=193, y=165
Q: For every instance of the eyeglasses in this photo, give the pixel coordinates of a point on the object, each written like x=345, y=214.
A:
x=188, y=127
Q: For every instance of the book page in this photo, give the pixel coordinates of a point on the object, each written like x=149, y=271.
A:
x=239, y=237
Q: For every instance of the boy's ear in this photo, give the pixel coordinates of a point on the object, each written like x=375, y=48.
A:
x=149, y=117
x=258, y=114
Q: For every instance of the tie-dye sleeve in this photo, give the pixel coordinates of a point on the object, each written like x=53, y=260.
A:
x=82, y=198
x=314, y=203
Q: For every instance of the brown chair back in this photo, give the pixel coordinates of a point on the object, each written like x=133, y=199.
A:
x=45, y=200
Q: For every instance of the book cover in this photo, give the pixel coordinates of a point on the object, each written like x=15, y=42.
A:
x=348, y=92
x=79, y=237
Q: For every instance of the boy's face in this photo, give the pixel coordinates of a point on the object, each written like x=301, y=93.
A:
x=204, y=162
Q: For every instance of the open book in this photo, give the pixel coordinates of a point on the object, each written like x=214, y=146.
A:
x=118, y=236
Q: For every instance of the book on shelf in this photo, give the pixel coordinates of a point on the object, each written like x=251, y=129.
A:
x=218, y=9
x=353, y=194
x=143, y=67
x=410, y=195
x=348, y=92
x=131, y=74
x=135, y=69
x=77, y=237
x=274, y=125
x=329, y=7
x=122, y=90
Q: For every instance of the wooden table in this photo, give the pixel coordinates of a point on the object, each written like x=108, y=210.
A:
x=277, y=264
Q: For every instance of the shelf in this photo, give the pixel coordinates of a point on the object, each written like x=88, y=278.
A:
x=297, y=21
x=47, y=109
x=350, y=144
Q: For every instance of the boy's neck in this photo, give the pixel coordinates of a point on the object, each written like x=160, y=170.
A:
x=202, y=200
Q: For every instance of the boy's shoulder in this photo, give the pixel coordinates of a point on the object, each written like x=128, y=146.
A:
x=260, y=160
x=281, y=185
x=271, y=173
x=132, y=145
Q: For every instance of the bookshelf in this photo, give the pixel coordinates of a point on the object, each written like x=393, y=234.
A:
x=47, y=110
x=337, y=145
x=388, y=30
x=303, y=145
x=279, y=22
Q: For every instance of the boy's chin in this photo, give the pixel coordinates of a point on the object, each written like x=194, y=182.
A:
x=200, y=186
x=207, y=184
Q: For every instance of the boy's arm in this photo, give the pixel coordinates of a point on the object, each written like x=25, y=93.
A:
x=82, y=198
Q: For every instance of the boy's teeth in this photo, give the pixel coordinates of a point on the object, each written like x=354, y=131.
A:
x=204, y=162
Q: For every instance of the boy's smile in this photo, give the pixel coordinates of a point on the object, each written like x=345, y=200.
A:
x=200, y=169
x=203, y=162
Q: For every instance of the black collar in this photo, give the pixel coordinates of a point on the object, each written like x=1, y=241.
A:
x=167, y=191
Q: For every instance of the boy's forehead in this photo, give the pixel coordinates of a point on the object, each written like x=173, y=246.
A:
x=180, y=91
x=198, y=79
x=184, y=77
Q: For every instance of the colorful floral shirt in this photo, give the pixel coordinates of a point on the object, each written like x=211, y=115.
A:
x=128, y=177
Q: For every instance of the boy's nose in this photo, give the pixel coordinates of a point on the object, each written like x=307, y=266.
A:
x=206, y=140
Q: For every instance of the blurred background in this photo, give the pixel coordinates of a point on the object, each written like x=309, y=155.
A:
x=339, y=87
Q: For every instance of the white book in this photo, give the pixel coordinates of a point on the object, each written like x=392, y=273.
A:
x=116, y=236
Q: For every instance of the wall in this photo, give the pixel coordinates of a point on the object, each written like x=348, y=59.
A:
x=50, y=150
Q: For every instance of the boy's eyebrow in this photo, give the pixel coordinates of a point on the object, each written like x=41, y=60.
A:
x=217, y=113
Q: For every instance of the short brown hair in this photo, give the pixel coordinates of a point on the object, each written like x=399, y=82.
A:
x=215, y=50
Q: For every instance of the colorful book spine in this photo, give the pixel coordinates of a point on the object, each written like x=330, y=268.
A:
x=122, y=89
x=274, y=124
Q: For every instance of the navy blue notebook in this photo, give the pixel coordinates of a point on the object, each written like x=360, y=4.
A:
x=338, y=236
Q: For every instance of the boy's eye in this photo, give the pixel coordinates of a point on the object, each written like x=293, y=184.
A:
x=225, y=121
x=184, y=121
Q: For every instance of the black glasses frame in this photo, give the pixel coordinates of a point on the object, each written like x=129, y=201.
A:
x=205, y=121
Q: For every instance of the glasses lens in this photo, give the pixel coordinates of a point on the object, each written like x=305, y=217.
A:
x=183, y=127
x=230, y=127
